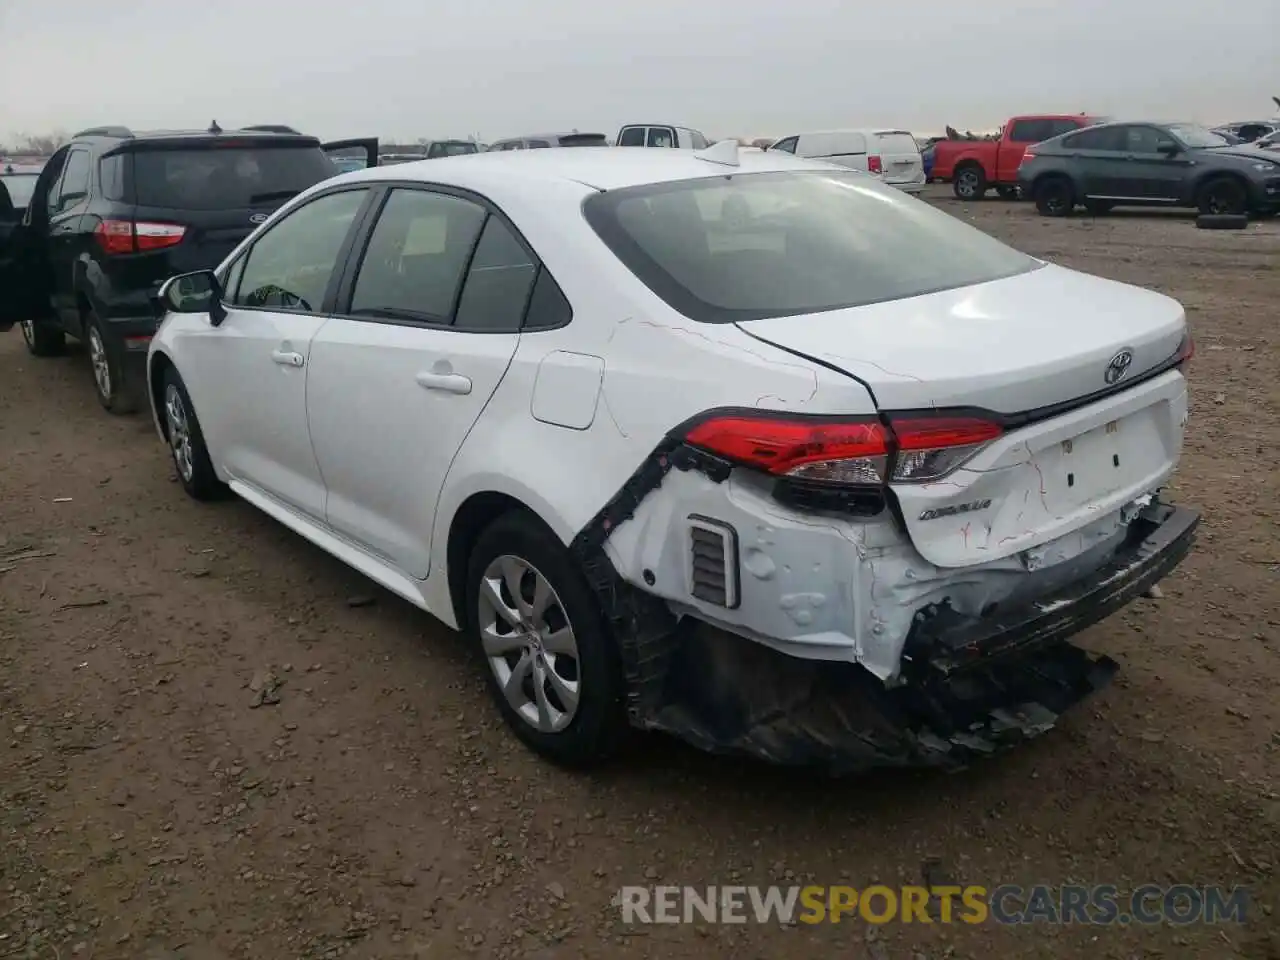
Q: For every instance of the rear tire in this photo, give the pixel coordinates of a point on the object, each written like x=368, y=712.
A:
x=43, y=340
x=1222, y=195
x=570, y=706
x=1055, y=197
x=969, y=183
x=187, y=448
x=114, y=392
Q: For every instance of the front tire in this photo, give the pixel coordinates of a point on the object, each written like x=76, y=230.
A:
x=1055, y=197
x=1223, y=195
x=186, y=440
x=552, y=666
x=114, y=392
x=43, y=340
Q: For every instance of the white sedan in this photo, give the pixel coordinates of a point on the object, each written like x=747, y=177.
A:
x=749, y=449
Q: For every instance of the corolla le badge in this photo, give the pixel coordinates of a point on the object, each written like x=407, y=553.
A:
x=1118, y=366
x=258, y=218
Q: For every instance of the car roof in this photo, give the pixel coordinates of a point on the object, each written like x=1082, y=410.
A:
x=606, y=169
x=121, y=135
x=551, y=136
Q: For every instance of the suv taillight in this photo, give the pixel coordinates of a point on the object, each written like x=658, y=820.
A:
x=874, y=164
x=1186, y=350
x=859, y=451
x=129, y=236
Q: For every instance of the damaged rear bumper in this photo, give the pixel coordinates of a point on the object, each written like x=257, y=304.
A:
x=970, y=685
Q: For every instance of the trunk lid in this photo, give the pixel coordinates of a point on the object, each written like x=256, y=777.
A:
x=1030, y=350
x=900, y=155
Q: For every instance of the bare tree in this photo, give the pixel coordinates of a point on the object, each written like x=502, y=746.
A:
x=38, y=145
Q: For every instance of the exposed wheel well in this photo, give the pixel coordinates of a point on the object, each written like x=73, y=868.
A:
x=476, y=513
x=159, y=364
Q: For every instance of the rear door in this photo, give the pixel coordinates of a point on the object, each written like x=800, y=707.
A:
x=346, y=148
x=899, y=157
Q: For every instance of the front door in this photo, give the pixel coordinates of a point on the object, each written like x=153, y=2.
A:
x=425, y=334
x=23, y=294
x=1157, y=165
x=254, y=366
x=66, y=210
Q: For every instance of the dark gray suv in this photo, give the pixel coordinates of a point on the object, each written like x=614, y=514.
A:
x=1152, y=165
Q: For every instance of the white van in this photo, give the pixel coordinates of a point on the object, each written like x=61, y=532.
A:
x=891, y=155
x=661, y=135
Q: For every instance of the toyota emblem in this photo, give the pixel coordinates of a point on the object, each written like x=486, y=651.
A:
x=1118, y=366
x=262, y=218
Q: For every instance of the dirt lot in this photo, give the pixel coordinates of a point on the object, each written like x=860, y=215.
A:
x=380, y=810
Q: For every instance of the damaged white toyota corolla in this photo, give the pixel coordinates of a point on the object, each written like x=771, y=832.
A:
x=748, y=449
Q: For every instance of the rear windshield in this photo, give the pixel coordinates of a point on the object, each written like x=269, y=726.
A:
x=749, y=246
x=584, y=140
x=897, y=141
x=225, y=178
x=20, y=187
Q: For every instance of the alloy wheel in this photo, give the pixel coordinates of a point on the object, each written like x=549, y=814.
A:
x=968, y=183
x=529, y=643
x=98, y=358
x=175, y=412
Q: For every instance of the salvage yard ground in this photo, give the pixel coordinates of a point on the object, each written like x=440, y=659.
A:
x=380, y=810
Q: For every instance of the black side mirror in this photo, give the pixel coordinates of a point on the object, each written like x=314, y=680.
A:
x=1168, y=148
x=198, y=292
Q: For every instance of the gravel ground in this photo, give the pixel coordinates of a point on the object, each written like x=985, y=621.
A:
x=380, y=810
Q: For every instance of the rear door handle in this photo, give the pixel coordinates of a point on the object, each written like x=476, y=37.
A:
x=448, y=382
x=287, y=358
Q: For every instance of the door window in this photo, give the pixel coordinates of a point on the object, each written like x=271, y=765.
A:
x=75, y=181
x=416, y=257
x=498, y=283
x=632, y=137
x=661, y=137
x=1031, y=131
x=1145, y=139
x=289, y=267
x=786, y=146
x=1111, y=139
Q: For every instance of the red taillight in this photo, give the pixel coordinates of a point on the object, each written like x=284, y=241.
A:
x=854, y=451
x=874, y=165
x=1186, y=350
x=126, y=236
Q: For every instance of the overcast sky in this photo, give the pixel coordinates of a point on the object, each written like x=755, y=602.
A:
x=730, y=67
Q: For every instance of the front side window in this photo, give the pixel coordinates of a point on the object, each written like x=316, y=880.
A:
x=289, y=267
x=413, y=266
x=748, y=246
x=632, y=137
x=661, y=137
x=1147, y=140
x=1197, y=137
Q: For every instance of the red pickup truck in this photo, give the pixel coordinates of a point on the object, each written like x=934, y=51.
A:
x=975, y=166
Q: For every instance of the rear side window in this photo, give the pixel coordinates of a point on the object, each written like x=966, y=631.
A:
x=225, y=178
x=897, y=141
x=289, y=267
x=413, y=266
x=1097, y=138
x=548, y=306
x=632, y=137
x=111, y=176
x=786, y=146
x=749, y=246
x=661, y=137
x=498, y=283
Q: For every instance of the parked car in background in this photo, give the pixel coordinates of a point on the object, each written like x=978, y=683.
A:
x=435, y=149
x=1150, y=164
x=975, y=166
x=889, y=155
x=661, y=135
x=113, y=214
x=1247, y=131
x=543, y=141
x=749, y=449
x=926, y=145
x=1269, y=142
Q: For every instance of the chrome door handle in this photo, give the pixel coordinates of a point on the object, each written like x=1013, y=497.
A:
x=287, y=358
x=448, y=382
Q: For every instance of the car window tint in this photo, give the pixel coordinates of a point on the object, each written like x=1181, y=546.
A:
x=1104, y=138
x=539, y=145
x=780, y=244
x=632, y=137
x=497, y=286
x=289, y=266
x=786, y=146
x=228, y=178
x=1030, y=131
x=414, y=263
x=75, y=178
x=548, y=306
x=1145, y=139
x=111, y=176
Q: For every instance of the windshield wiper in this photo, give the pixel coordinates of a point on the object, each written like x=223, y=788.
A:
x=272, y=195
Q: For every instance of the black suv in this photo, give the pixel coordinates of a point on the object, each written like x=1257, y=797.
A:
x=1149, y=165
x=114, y=214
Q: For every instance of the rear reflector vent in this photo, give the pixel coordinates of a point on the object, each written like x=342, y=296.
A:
x=713, y=562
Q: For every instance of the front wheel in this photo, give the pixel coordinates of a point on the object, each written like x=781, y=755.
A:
x=1223, y=195
x=553, y=668
x=1055, y=197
